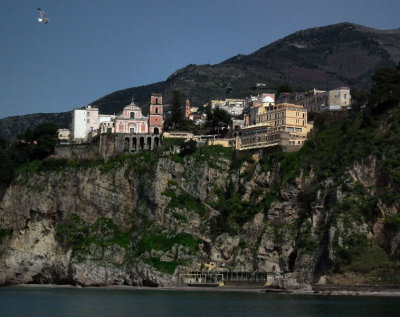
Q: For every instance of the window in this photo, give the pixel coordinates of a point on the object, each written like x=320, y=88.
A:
x=345, y=96
x=88, y=120
x=132, y=115
x=132, y=130
x=156, y=109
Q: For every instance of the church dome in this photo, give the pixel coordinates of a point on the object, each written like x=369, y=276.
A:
x=267, y=99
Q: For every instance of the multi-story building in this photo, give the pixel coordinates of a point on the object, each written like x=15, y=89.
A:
x=156, y=120
x=282, y=124
x=319, y=100
x=83, y=121
x=131, y=120
x=87, y=123
x=234, y=107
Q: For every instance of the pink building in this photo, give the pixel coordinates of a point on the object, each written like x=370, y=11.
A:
x=132, y=121
x=187, y=109
x=156, y=120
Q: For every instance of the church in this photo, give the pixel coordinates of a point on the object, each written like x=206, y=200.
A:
x=132, y=121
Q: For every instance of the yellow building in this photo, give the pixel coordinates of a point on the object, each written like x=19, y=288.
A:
x=283, y=124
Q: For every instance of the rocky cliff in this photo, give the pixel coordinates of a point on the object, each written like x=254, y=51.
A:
x=144, y=219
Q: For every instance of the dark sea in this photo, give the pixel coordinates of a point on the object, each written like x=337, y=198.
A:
x=105, y=302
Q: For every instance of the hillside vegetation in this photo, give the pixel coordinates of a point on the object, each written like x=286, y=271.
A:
x=327, y=57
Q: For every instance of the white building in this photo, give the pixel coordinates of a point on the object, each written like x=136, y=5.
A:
x=234, y=107
x=64, y=134
x=320, y=100
x=85, y=123
x=79, y=125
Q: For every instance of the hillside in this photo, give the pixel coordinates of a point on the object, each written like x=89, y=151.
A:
x=344, y=54
x=327, y=57
x=329, y=212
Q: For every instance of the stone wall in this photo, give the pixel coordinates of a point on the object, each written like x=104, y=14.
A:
x=116, y=144
x=77, y=151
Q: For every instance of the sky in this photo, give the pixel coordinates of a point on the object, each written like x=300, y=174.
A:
x=91, y=48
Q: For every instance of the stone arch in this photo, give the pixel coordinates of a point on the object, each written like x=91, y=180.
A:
x=141, y=143
x=156, y=141
x=149, y=147
x=134, y=144
x=156, y=130
x=126, y=145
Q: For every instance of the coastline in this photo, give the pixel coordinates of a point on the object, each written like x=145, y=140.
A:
x=322, y=290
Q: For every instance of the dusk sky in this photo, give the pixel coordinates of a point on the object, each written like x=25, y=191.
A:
x=91, y=48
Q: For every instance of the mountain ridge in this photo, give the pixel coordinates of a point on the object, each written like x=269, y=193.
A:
x=326, y=57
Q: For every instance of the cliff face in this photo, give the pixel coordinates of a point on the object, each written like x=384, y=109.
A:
x=142, y=220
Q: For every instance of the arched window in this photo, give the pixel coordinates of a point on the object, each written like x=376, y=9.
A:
x=156, y=110
x=132, y=115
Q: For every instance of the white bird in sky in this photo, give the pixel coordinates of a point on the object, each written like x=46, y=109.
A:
x=42, y=16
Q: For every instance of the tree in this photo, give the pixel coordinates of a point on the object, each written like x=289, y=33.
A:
x=385, y=91
x=283, y=88
x=359, y=98
x=177, y=111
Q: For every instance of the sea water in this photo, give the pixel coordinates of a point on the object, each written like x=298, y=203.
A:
x=105, y=302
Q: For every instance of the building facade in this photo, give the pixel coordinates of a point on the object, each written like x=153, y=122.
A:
x=320, y=100
x=234, y=107
x=87, y=123
x=282, y=124
x=156, y=120
x=131, y=120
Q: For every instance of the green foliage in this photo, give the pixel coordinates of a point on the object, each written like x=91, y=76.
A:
x=188, y=148
x=393, y=221
x=282, y=89
x=214, y=155
x=163, y=266
x=235, y=212
x=288, y=162
x=239, y=157
x=168, y=143
x=185, y=200
x=162, y=242
x=386, y=89
x=179, y=216
x=358, y=206
x=5, y=233
x=372, y=258
x=34, y=145
x=91, y=240
x=219, y=118
x=353, y=247
x=306, y=241
x=176, y=120
x=361, y=256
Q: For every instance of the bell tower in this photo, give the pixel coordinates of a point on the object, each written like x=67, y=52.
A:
x=156, y=120
x=187, y=108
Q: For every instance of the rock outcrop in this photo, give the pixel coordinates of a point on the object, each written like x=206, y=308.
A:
x=129, y=225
